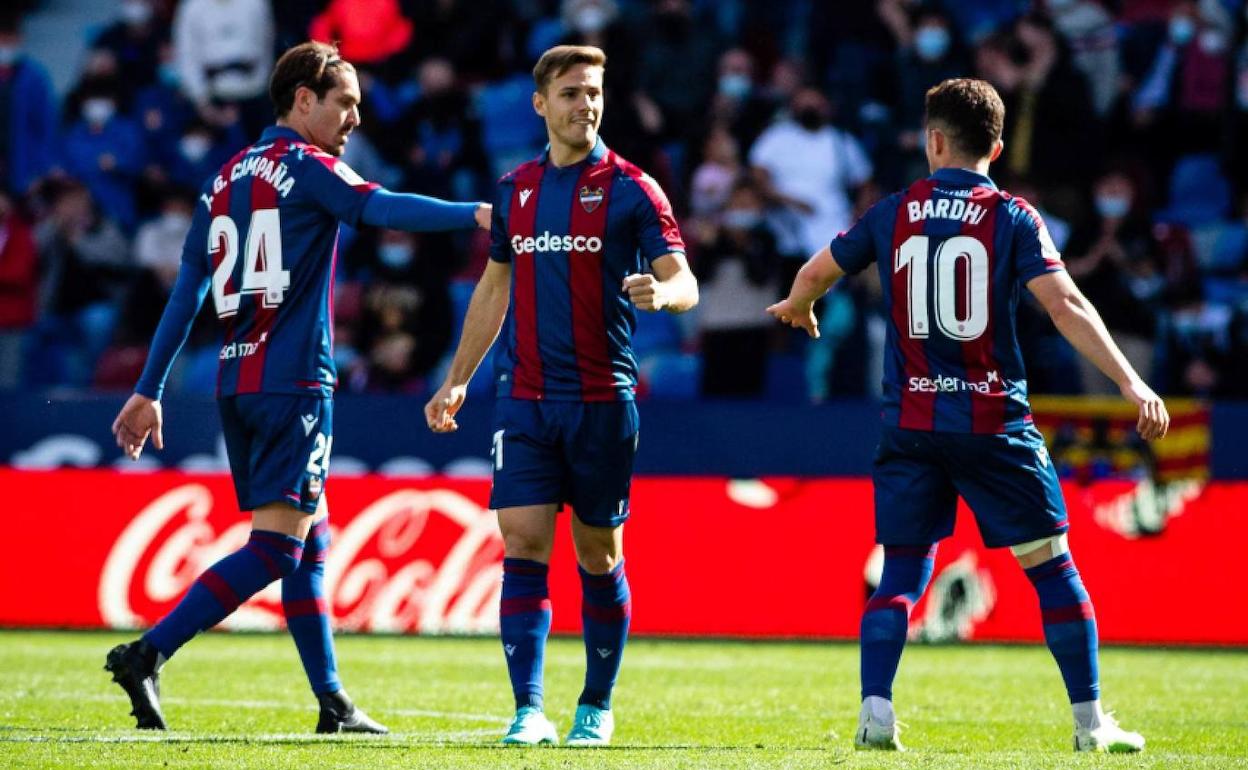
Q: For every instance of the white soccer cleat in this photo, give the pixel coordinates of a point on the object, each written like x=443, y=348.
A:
x=1108, y=737
x=874, y=733
x=530, y=727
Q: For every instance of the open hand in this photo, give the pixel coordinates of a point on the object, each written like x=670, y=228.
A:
x=797, y=315
x=139, y=418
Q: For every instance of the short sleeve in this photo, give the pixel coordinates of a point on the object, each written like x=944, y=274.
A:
x=855, y=249
x=1034, y=251
x=500, y=248
x=334, y=186
x=657, y=231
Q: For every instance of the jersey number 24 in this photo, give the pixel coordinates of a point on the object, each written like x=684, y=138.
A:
x=262, y=261
x=960, y=323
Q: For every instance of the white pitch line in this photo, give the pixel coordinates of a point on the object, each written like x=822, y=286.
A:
x=268, y=705
x=457, y=736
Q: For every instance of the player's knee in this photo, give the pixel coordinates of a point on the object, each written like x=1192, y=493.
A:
x=599, y=562
x=1037, y=552
x=525, y=545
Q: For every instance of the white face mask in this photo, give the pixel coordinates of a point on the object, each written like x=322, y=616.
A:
x=97, y=111
x=9, y=54
x=136, y=12
x=591, y=19
x=194, y=147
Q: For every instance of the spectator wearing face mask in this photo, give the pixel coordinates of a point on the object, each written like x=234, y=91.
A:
x=926, y=55
x=224, y=50
x=738, y=103
x=676, y=67
x=1088, y=29
x=1183, y=96
x=134, y=39
x=104, y=149
x=28, y=113
x=201, y=150
x=737, y=271
x=1109, y=258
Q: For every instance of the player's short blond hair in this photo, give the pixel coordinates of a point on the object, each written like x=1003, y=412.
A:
x=562, y=58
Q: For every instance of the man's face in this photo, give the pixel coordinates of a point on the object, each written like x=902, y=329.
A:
x=572, y=106
x=331, y=120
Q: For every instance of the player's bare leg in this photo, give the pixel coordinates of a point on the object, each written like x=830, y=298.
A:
x=524, y=616
x=1070, y=632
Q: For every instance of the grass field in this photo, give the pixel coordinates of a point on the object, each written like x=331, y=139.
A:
x=241, y=702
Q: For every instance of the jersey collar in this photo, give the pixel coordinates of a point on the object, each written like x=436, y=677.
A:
x=275, y=132
x=595, y=155
x=963, y=177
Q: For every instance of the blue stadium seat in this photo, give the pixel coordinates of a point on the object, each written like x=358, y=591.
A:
x=672, y=376
x=1199, y=193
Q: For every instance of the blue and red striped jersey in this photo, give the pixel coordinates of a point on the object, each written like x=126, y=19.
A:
x=266, y=231
x=572, y=234
x=954, y=253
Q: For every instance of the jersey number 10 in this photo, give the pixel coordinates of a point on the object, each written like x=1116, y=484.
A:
x=957, y=323
x=262, y=261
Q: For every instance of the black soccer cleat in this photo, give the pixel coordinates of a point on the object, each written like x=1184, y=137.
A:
x=134, y=668
x=340, y=715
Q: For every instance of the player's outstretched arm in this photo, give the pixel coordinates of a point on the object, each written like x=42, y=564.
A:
x=419, y=213
x=672, y=287
x=1081, y=325
x=485, y=316
x=814, y=280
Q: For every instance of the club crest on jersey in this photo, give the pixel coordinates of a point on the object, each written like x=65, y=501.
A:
x=591, y=198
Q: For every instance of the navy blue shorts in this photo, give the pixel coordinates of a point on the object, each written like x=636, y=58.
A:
x=279, y=447
x=1006, y=479
x=565, y=452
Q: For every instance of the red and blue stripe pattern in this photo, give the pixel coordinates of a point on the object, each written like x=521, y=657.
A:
x=572, y=235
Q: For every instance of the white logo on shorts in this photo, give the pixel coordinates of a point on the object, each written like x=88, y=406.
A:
x=309, y=422
x=1042, y=454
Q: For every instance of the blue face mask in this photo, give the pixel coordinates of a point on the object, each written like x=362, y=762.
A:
x=931, y=43
x=735, y=86
x=395, y=255
x=168, y=74
x=740, y=219
x=1182, y=30
x=1112, y=206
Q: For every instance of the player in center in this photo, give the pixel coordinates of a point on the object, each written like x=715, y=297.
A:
x=580, y=237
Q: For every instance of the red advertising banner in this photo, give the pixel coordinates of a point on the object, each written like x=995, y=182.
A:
x=761, y=558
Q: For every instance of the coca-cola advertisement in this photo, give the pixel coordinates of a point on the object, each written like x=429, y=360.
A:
x=706, y=557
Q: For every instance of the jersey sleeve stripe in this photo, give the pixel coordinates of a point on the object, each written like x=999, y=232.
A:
x=917, y=408
x=654, y=194
x=522, y=223
x=589, y=324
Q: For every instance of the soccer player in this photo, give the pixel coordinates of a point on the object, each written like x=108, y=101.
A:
x=953, y=252
x=263, y=240
x=574, y=232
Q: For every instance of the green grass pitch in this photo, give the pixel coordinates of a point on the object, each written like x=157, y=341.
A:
x=239, y=701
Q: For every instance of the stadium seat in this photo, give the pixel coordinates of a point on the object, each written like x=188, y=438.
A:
x=1199, y=193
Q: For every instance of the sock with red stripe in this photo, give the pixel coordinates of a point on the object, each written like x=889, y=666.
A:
x=606, y=607
x=268, y=556
x=524, y=620
x=307, y=612
x=907, y=571
x=1069, y=625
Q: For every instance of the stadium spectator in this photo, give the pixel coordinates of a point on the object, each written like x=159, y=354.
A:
x=83, y=260
x=224, y=50
x=1110, y=260
x=134, y=40
x=737, y=269
x=1088, y=29
x=738, y=104
x=104, y=149
x=19, y=280
x=28, y=112
x=676, y=67
x=714, y=178
x=372, y=33
x=441, y=145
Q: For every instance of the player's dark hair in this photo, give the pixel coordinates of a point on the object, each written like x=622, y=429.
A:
x=312, y=65
x=562, y=58
x=969, y=111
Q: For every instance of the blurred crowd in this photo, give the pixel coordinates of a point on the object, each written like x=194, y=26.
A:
x=771, y=125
